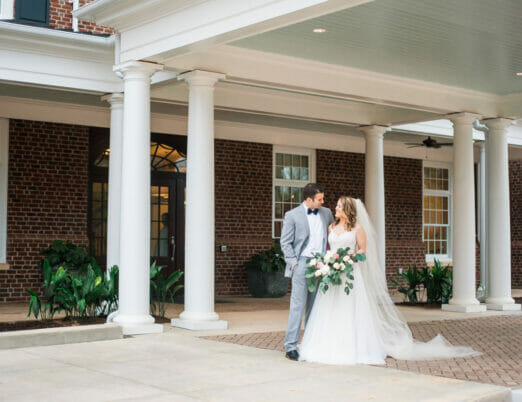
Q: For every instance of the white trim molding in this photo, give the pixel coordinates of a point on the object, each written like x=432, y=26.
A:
x=6, y=9
x=4, y=159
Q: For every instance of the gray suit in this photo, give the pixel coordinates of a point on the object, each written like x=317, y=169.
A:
x=294, y=239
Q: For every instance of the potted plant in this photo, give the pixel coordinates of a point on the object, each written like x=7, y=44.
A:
x=265, y=272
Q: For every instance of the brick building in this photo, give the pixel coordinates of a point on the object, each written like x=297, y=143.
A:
x=281, y=117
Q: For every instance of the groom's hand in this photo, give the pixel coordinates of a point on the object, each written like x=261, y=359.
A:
x=294, y=267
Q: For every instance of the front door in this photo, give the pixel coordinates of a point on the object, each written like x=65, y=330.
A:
x=167, y=242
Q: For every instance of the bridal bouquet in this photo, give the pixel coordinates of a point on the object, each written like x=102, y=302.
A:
x=327, y=269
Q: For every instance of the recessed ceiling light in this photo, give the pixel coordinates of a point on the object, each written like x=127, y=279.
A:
x=519, y=74
x=319, y=30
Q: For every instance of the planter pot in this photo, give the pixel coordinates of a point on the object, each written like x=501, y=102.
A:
x=266, y=284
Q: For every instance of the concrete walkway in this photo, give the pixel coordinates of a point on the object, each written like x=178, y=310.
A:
x=180, y=365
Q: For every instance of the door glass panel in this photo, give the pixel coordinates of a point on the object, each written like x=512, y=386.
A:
x=159, y=221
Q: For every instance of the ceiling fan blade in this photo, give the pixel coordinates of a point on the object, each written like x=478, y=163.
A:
x=416, y=146
x=413, y=143
x=445, y=144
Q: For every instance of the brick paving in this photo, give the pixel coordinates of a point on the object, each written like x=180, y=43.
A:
x=499, y=338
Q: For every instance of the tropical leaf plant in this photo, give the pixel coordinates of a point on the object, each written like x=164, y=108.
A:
x=162, y=290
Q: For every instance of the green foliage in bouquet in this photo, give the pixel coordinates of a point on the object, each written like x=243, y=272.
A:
x=331, y=268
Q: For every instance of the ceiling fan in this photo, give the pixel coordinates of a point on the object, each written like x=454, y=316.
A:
x=429, y=143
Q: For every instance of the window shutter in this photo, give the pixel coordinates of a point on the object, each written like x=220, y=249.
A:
x=32, y=11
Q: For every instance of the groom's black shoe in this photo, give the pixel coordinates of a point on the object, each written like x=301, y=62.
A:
x=292, y=355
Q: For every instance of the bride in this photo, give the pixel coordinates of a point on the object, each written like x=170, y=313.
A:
x=364, y=326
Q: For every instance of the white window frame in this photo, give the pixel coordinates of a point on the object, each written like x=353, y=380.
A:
x=291, y=183
x=443, y=258
x=4, y=159
x=6, y=9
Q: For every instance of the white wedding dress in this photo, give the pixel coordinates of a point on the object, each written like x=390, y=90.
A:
x=365, y=326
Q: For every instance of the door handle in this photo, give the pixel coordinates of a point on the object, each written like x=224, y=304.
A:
x=173, y=247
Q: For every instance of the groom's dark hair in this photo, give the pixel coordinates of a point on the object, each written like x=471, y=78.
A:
x=311, y=189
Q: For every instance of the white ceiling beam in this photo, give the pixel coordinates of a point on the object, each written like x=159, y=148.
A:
x=159, y=29
x=311, y=77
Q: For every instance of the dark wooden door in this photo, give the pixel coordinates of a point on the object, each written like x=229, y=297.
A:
x=168, y=221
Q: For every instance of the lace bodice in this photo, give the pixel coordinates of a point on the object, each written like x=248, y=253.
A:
x=342, y=240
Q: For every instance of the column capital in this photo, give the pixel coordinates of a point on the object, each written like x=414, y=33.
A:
x=114, y=99
x=497, y=123
x=137, y=69
x=463, y=117
x=201, y=77
x=373, y=130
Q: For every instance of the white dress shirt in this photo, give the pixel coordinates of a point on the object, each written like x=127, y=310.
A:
x=315, y=243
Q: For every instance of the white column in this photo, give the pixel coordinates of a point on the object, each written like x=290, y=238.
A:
x=463, y=299
x=114, y=201
x=199, y=220
x=481, y=179
x=374, y=185
x=499, y=231
x=134, y=283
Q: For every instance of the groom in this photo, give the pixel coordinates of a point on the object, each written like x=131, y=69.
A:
x=304, y=234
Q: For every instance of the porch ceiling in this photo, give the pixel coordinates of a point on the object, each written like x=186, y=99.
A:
x=473, y=44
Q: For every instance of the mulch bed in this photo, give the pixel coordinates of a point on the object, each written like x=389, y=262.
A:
x=57, y=323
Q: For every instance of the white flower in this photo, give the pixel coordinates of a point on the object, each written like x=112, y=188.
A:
x=313, y=261
x=318, y=273
x=337, y=265
x=325, y=270
x=346, y=258
x=343, y=267
x=328, y=255
x=350, y=261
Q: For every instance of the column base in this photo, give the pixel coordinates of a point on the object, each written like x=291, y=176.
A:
x=503, y=307
x=464, y=308
x=199, y=325
x=137, y=324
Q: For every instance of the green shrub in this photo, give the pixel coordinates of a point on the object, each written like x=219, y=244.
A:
x=436, y=283
x=271, y=260
x=81, y=295
x=409, y=286
x=67, y=255
x=162, y=290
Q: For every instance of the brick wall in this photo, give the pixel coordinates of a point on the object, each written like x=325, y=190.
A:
x=342, y=173
x=515, y=184
x=60, y=17
x=47, y=198
x=243, y=210
x=403, y=206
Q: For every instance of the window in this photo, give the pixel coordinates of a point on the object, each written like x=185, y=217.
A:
x=34, y=12
x=6, y=9
x=293, y=169
x=436, y=205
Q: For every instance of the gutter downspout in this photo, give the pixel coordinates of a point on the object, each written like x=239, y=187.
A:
x=76, y=5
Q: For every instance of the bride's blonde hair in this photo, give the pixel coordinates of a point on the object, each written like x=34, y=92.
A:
x=349, y=210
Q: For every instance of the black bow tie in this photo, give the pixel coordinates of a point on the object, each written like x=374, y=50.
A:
x=312, y=211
